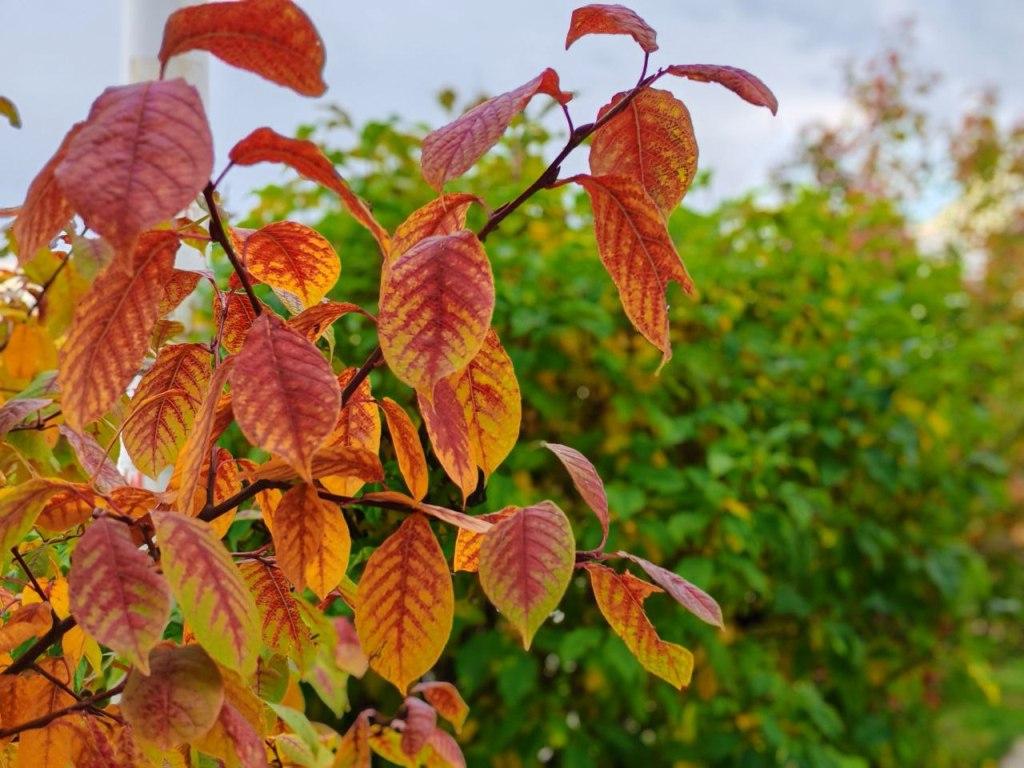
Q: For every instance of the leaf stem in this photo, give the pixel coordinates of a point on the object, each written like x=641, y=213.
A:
x=218, y=233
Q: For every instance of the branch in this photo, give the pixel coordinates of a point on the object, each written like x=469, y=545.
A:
x=41, y=722
x=41, y=646
x=212, y=512
x=376, y=358
x=218, y=233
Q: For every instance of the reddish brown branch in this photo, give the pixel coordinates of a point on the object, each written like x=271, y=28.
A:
x=376, y=358
x=44, y=720
x=218, y=233
x=41, y=646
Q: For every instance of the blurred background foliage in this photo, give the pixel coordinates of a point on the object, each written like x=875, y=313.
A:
x=834, y=452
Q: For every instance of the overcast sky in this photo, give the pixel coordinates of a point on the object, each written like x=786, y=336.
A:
x=392, y=56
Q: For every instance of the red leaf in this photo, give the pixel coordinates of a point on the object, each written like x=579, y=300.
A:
x=436, y=302
x=102, y=472
x=449, y=436
x=446, y=699
x=408, y=450
x=601, y=19
x=420, y=721
x=638, y=253
x=587, y=481
x=452, y=150
x=293, y=259
x=688, y=595
x=142, y=155
x=745, y=85
x=267, y=146
x=272, y=38
x=652, y=142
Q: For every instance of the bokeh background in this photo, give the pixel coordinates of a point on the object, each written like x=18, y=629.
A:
x=836, y=451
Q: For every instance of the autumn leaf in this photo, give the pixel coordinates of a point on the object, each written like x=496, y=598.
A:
x=420, y=722
x=209, y=589
x=408, y=449
x=620, y=597
x=267, y=146
x=436, y=301
x=468, y=543
x=46, y=210
x=283, y=629
x=32, y=695
x=588, y=483
x=526, y=561
x=24, y=623
x=311, y=539
x=599, y=19
x=652, y=142
x=745, y=85
x=346, y=462
x=234, y=314
x=68, y=507
x=449, y=152
x=395, y=500
x=638, y=253
x=234, y=740
x=444, y=215
x=10, y=111
x=285, y=396
x=293, y=259
x=177, y=289
x=443, y=751
x=272, y=38
x=101, y=471
x=449, y=436
x=13, y=412
x=314, y=322
x=446, y=699
x=117, y=595
x=20, y=505
x=178, y=701
x=142, y=155
x=354, y=747
x=110, y=331
x=693, y=598
x=194, y=455
x=358, y=427
x=405, y=604
x=156, y=429
x=488, y=393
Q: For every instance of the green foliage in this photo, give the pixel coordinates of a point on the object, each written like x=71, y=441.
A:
x=820, y=455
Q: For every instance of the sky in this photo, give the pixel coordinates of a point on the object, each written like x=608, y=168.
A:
x=392, y=57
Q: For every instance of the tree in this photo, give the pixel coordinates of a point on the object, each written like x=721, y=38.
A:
x=198, y=609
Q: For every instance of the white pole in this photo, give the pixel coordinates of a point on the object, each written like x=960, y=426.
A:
x=142, y=31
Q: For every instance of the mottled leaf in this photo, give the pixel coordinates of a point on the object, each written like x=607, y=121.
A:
x=652, y=142
x=688, y=595
x=283, y=629
x=209, y=589
x=446, y=699
x=272, y=38
x=177, y=289
x=46, y=210
x=449, y=436
x=358, y=427
x=450, y=151
x=348, y=462
x=19, y=507
x=292, y=258
x=600, y=19
x=443, y=751
x=420, y=722
x=117, y=595
x=285, y=396
x=13, y=412
x=408, y=450
x=178, y=701
x=142, y=155
x=620, y=597
x=526, y=561
x=25, y=622
x=468, y=543
x=110, y=331
x=102, y=472
x=638, y=253
x=444, y=215
x=234, y=315
x=314, y=322
x=587, y=481
x=745, y=85
x=69, y=507
x=311, y=539
x=405, y=604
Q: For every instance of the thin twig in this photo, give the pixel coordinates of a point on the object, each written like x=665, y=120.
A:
x=31, y=577
x=218, y=233
x=43, y=721
x=376, y=358
x=213, y=512
x=41, y=646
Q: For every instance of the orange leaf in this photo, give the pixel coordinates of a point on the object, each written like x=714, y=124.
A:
x=177, y=289
x=358, y=426
x=637, y=251
x=587, y=481
x=110, y=331
x=267, y=146
x=272, y=38
x=468, y=543
x=408, y=450
x=283, y=630
x=405, y=604
x=292, y=258
x=693, y=598
x=194, y=456
x=526, y=561
x=45, y=210
x=178, y=701
x=601, y=19
x=311, y=539
x=69, y=507
x=436, y=301
x=20, y=505
x=214, y=600
x=233, y=313
x=156, y=429
x=488, y=393
x=347, y=462
x=450, y=151
x=449, y=436
x=446, y=699
x=117, y=595
x=227, y=481
x=142, y=155
x=745, y=85
x=284, y=394
x=354, y=747
x=621, y=600
x=651, y=142
x=313, y=322
x=444, y=215
x=24, y=623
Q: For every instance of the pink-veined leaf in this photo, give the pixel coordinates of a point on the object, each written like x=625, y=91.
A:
x=420, y=722
x=449, y=436
x=691, y=597
x=444, y=215
x=745, y=85
x=588, y=483
x=446, y=699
